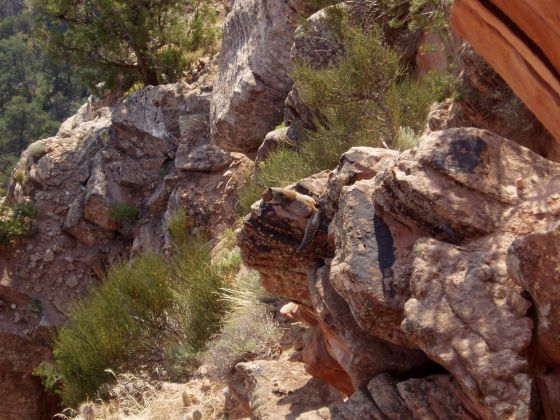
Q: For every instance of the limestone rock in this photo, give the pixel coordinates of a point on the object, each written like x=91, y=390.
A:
x=201, y=158
x=272, y=141
x=87, y=112
x=252, y=81
x=79, y=228
x=123, y=154
x=101, y=192
x=49, y=256
x=315, y=43
x=155, y=119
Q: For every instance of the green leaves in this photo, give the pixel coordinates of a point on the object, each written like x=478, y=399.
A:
x=16, y=222
x=122, y=42
x=35, y=93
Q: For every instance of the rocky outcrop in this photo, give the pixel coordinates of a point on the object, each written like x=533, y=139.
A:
x=534, y=264
x=520, y=41
x=151, y=154
x=432, y=253
x=253, y=80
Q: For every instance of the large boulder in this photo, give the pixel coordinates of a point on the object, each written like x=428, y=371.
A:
x=534, y=264
x=253, y=80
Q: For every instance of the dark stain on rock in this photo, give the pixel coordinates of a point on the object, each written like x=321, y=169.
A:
x=463, y=154
x=385, y=254
x=385, y=243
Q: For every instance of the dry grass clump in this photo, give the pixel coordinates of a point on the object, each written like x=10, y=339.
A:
x=249, y=330
x=134, y=398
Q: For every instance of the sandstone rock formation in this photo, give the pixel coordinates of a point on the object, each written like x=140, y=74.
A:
x=429, y=287
x=484, y=100
x=519, y=40
x=418, y=261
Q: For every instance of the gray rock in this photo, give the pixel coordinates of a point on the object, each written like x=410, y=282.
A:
x=71, y=281
x=201, y=158
x=252, y=81
x=49, y=256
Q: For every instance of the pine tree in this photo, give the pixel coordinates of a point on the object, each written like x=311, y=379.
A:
x=122, y=42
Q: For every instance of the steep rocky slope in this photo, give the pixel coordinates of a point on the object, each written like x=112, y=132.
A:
x=429, y=287
x=153, y=154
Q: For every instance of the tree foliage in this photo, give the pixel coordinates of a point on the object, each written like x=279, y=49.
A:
x=122, y=42
x=36, y=94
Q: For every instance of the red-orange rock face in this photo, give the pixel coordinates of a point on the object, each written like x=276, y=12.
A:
x=521, y=40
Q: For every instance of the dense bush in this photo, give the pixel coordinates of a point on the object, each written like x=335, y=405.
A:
x=367, y=99
x=124, y=212
x=16, y=222
x=142, y=311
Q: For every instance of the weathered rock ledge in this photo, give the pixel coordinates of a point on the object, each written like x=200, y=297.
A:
x=430, y=283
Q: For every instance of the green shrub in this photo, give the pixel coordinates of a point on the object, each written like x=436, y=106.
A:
x=146, y=311
x=118, y=326
x=48, y=375
x=367, y=99
x=20, y=178
x=179, y=226
x=16, y=222
x=124, y=212
x=198, y=291
x=36, y=149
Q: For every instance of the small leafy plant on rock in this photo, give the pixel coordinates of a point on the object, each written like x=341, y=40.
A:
x=124, y=212
x=16, y=222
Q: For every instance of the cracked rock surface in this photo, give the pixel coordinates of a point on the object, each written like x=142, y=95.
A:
x=441, y=252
